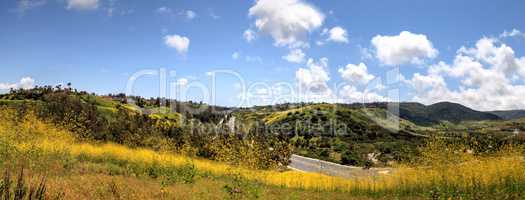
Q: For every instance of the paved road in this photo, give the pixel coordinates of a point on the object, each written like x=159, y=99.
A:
x=306, y=164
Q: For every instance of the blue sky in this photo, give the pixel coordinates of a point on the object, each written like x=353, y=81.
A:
x=98, y=44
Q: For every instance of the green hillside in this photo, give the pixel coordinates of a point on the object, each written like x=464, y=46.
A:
x=443, y=111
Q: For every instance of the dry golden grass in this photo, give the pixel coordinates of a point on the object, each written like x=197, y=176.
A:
x=100, y=186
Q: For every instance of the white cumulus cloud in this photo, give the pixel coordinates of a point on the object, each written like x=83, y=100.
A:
x=356, y=73
x=405, y=48
x=486, y=75
x=295, y=56
x=359, y=86
x=180, y=43
x=337, y=34
x=82, y=4
x=350, y=94
x=7, y=86
x=24, y=83
x=314, y=77
x=513, y=33
x=288, y=22
x=249, y=35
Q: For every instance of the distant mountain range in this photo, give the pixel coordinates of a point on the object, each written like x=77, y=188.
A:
x=509, y=114
x=421, y=114
x=443, y=111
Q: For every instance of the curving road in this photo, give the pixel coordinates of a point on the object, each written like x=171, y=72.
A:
x=305, y=164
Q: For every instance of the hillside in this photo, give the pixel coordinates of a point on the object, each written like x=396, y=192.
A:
x=350, y=134
x=509, y=114
x=343, y=135
x=424, y=115
x=100, y=146
x=42, y=161
x=443, y=111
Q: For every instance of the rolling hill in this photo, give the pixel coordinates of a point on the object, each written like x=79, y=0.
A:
x=443, y=111
x=424, y=115
x=509, y=114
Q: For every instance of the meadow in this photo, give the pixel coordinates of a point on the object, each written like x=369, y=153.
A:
x=79, y=169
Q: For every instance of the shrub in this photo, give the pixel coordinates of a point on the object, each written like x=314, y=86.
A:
x=350, y=158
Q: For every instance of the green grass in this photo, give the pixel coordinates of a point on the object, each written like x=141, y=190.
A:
x=13, y=102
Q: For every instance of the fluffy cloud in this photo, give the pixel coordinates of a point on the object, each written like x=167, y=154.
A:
x=314, y=78
x=180, y=43
x=287, y=21
x=423, y=82
x=350, y=94
x=7, y=86
x=356, y=73
x=513, y=33
x=249, y=35
x=501, y=57
x=405, y=48
x=337, y=34
x=486, y=73
x=313, y=84
x=25, y=83
x=295, y=56
x=358, y=76
x=82, y=4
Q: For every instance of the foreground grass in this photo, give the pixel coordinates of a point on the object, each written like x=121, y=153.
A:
x=79, y=170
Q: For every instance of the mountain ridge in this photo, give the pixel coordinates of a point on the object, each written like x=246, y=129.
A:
x=427, y=115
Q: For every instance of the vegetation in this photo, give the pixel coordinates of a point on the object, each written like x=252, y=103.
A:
x=443, y=111
x=19, y=190
x=440, y=172
x=96, y=147
x=106, y=119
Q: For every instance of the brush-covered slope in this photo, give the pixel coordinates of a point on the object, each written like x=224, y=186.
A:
x=443, y=111
x=331, y=120
x=338, y=133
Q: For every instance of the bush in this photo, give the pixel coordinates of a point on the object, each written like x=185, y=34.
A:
x=350, y=158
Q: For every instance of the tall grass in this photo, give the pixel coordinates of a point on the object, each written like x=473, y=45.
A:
x=19, y=189
x=442, y=172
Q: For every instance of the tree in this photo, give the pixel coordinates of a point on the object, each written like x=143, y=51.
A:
x=350, y=158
